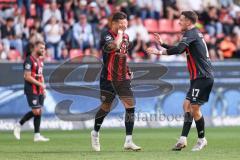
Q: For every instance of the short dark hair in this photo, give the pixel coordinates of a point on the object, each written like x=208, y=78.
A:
x=192, y=16
x=118, y=16
x=39, y=42
x=10, y=19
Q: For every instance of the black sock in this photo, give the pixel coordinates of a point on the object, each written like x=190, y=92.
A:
x=187, y=124
x=200, y=127
x=37, y=122
x=129, y=120
x=101, y=114
x=26, y=117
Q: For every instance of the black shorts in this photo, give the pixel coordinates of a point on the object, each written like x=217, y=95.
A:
x=35, y=101
x=199, y=90
x=109, y=90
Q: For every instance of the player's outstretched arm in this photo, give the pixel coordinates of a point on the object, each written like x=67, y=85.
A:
x=155, y=51
x=180, y=48
x=159, y=40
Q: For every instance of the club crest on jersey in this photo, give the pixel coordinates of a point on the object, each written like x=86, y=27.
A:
x=34, y=102
x=35, y=64
x=27, y=66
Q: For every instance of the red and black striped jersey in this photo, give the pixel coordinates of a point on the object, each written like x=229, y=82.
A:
x=198, y=61
x=115, y=66
x=35, y=66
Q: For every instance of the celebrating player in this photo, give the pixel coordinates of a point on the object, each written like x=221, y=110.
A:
x=115, y=79
x=34, y=89
x=201, y=75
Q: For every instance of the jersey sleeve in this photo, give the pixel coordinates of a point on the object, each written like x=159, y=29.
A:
x=187, y=39
x=27, y=65
x=106, y=40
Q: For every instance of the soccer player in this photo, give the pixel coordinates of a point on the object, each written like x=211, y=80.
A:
x=115, y=79
x=201, y=76
x=34, y=89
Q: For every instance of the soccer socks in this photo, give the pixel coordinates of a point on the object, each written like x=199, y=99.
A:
x=101, y=114
x=26, y=117
x=187, y=124
x=200, y=125
x=129, y=120
x=37, y=122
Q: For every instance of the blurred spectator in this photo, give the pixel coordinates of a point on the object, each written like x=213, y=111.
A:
x=67, y=12
x=93, y=14
x=236, y=41
x=150, y=8
x=139, y=47
x=227, y=47
x=226, y=3
x=39, y=7
x=210, y=19
x=236, y=28
x=6, y=12
x=218, y=19
x=26, y=4
x=212, y=48
x=136, y=27
x=81, y=8
x=64, y=54
x=8, y=36
x=227, y=20
x=3, y=54
x=51, y=11
x=196, y=5
x=35, y=36
x=170, y=9
x=82, y=34
x=53, y=32
x=101, y=26
x=105, y=7
x=213, y=3
x=22, y=32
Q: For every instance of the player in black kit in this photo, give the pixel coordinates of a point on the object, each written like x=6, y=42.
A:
x=201, y=76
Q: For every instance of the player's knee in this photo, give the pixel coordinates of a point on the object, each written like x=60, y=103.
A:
x=195, y=111
x=128, y=102
x=37, y=112
x=187, y=106
x=106, y=106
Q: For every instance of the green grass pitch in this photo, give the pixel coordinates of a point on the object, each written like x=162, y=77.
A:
x=223, y=144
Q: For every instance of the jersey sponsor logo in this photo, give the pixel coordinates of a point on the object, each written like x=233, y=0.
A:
x=27, y=66
x=108, y=38
x=34, y=102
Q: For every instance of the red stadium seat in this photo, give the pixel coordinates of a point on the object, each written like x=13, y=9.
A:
x=151, y=36
x=151, y=25
x=75, y=53
x=165, y=25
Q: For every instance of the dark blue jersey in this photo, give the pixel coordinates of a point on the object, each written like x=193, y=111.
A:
x=198, y=60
